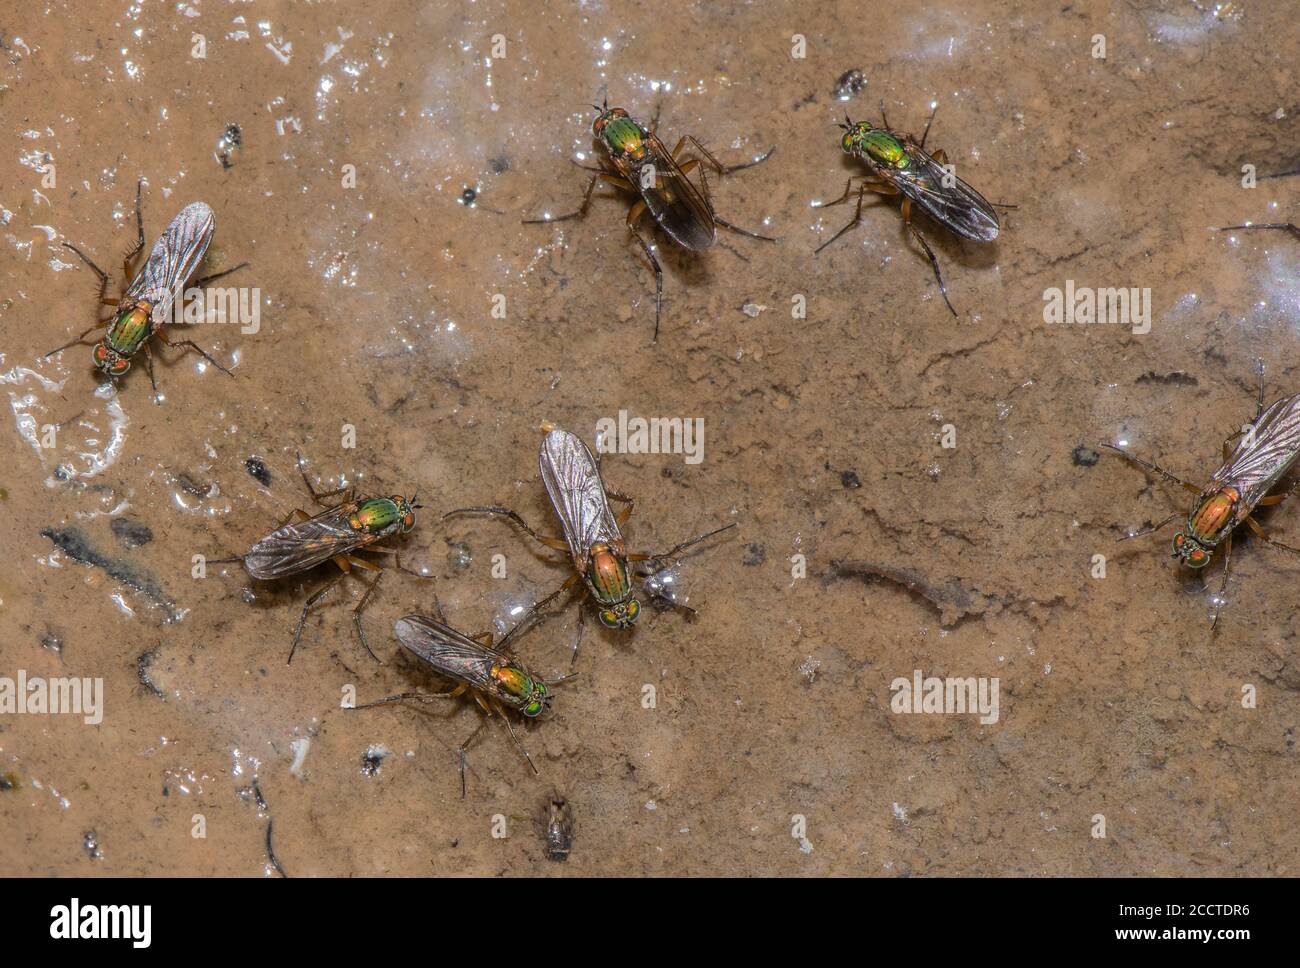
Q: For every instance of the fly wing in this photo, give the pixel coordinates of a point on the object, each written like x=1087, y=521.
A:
x=957, y=206
x=1264, y=453
x=173, y=258
x=301, y=545
x=577, y=493
x=451, y=653
x=679, y=208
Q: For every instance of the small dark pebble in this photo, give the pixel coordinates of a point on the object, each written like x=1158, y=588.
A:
x=91, y=843
x=468, y=197
x=258, y=470
x=52, y=642
x=228, y=145
x=131, y=533
x=1084, y=456
x=850, y=84
x=755, y=554
x=850, y=479
x=8, y=781
x=62, y=472
x=499, y=164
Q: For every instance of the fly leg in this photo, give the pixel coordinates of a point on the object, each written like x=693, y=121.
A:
x=73, y=343
x=319, y=496
x=871, y=184
x=1155, y=469
x=926, y=133
x=199, y=283
x=498, y=511
x=139, y=235
x=518, y=745
x=1283, y=226
x=464, y=748
x=370, y=590
x=1262, y=535
x=581, y=211
x=934, y=263
x=417, y=696
x=678, y=549
x=148, y=359
x=307, y=607
x=694, y=163
x=162, y=335
x=1221, y=599
x=633, y=214
x=722, y=169
x=1151, y=530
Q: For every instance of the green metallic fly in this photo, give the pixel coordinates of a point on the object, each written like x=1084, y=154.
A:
x=640, y=164
x=336, y=534
x=148, y=303
x=491, y=674
x=900, y=165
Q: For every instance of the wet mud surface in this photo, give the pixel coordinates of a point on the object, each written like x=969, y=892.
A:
x=360, y=130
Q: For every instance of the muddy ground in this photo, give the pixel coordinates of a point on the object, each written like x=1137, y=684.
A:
x=824, y=437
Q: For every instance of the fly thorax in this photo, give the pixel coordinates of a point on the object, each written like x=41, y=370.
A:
x=1213, y=516
x=129, y=330
x=883, y=149
x=608, y=575
x=375, y=515
x=521, y=687
x=624, y=137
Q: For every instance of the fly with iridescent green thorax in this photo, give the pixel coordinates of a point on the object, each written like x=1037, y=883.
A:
x=146, y=304
x=336, y=534
x=491, y=674
x=900, y=165
x=1267, y=449
x=638, y=163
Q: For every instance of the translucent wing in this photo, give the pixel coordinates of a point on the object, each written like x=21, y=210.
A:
x=301, y=545
x=173, y=258
x=1264, y=453
x=676, y=204
x=957, y=206
x=450, y=652
x=577, y=494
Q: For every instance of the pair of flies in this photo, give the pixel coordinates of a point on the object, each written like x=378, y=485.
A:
x=1266, y=449
x=145, y=304
x=638, y=163
x=336, y=534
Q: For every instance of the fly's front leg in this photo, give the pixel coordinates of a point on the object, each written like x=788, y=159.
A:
x=307, y=607
x=678, y=549
x=632, y=216
x=1154, y=468
x=463, y=749
x=370, y=590
x=1151, y=530
x=75, y=342
x=1222, y=597
x=139, y=235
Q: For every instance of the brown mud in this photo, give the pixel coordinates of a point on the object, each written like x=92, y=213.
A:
x=823, y=438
